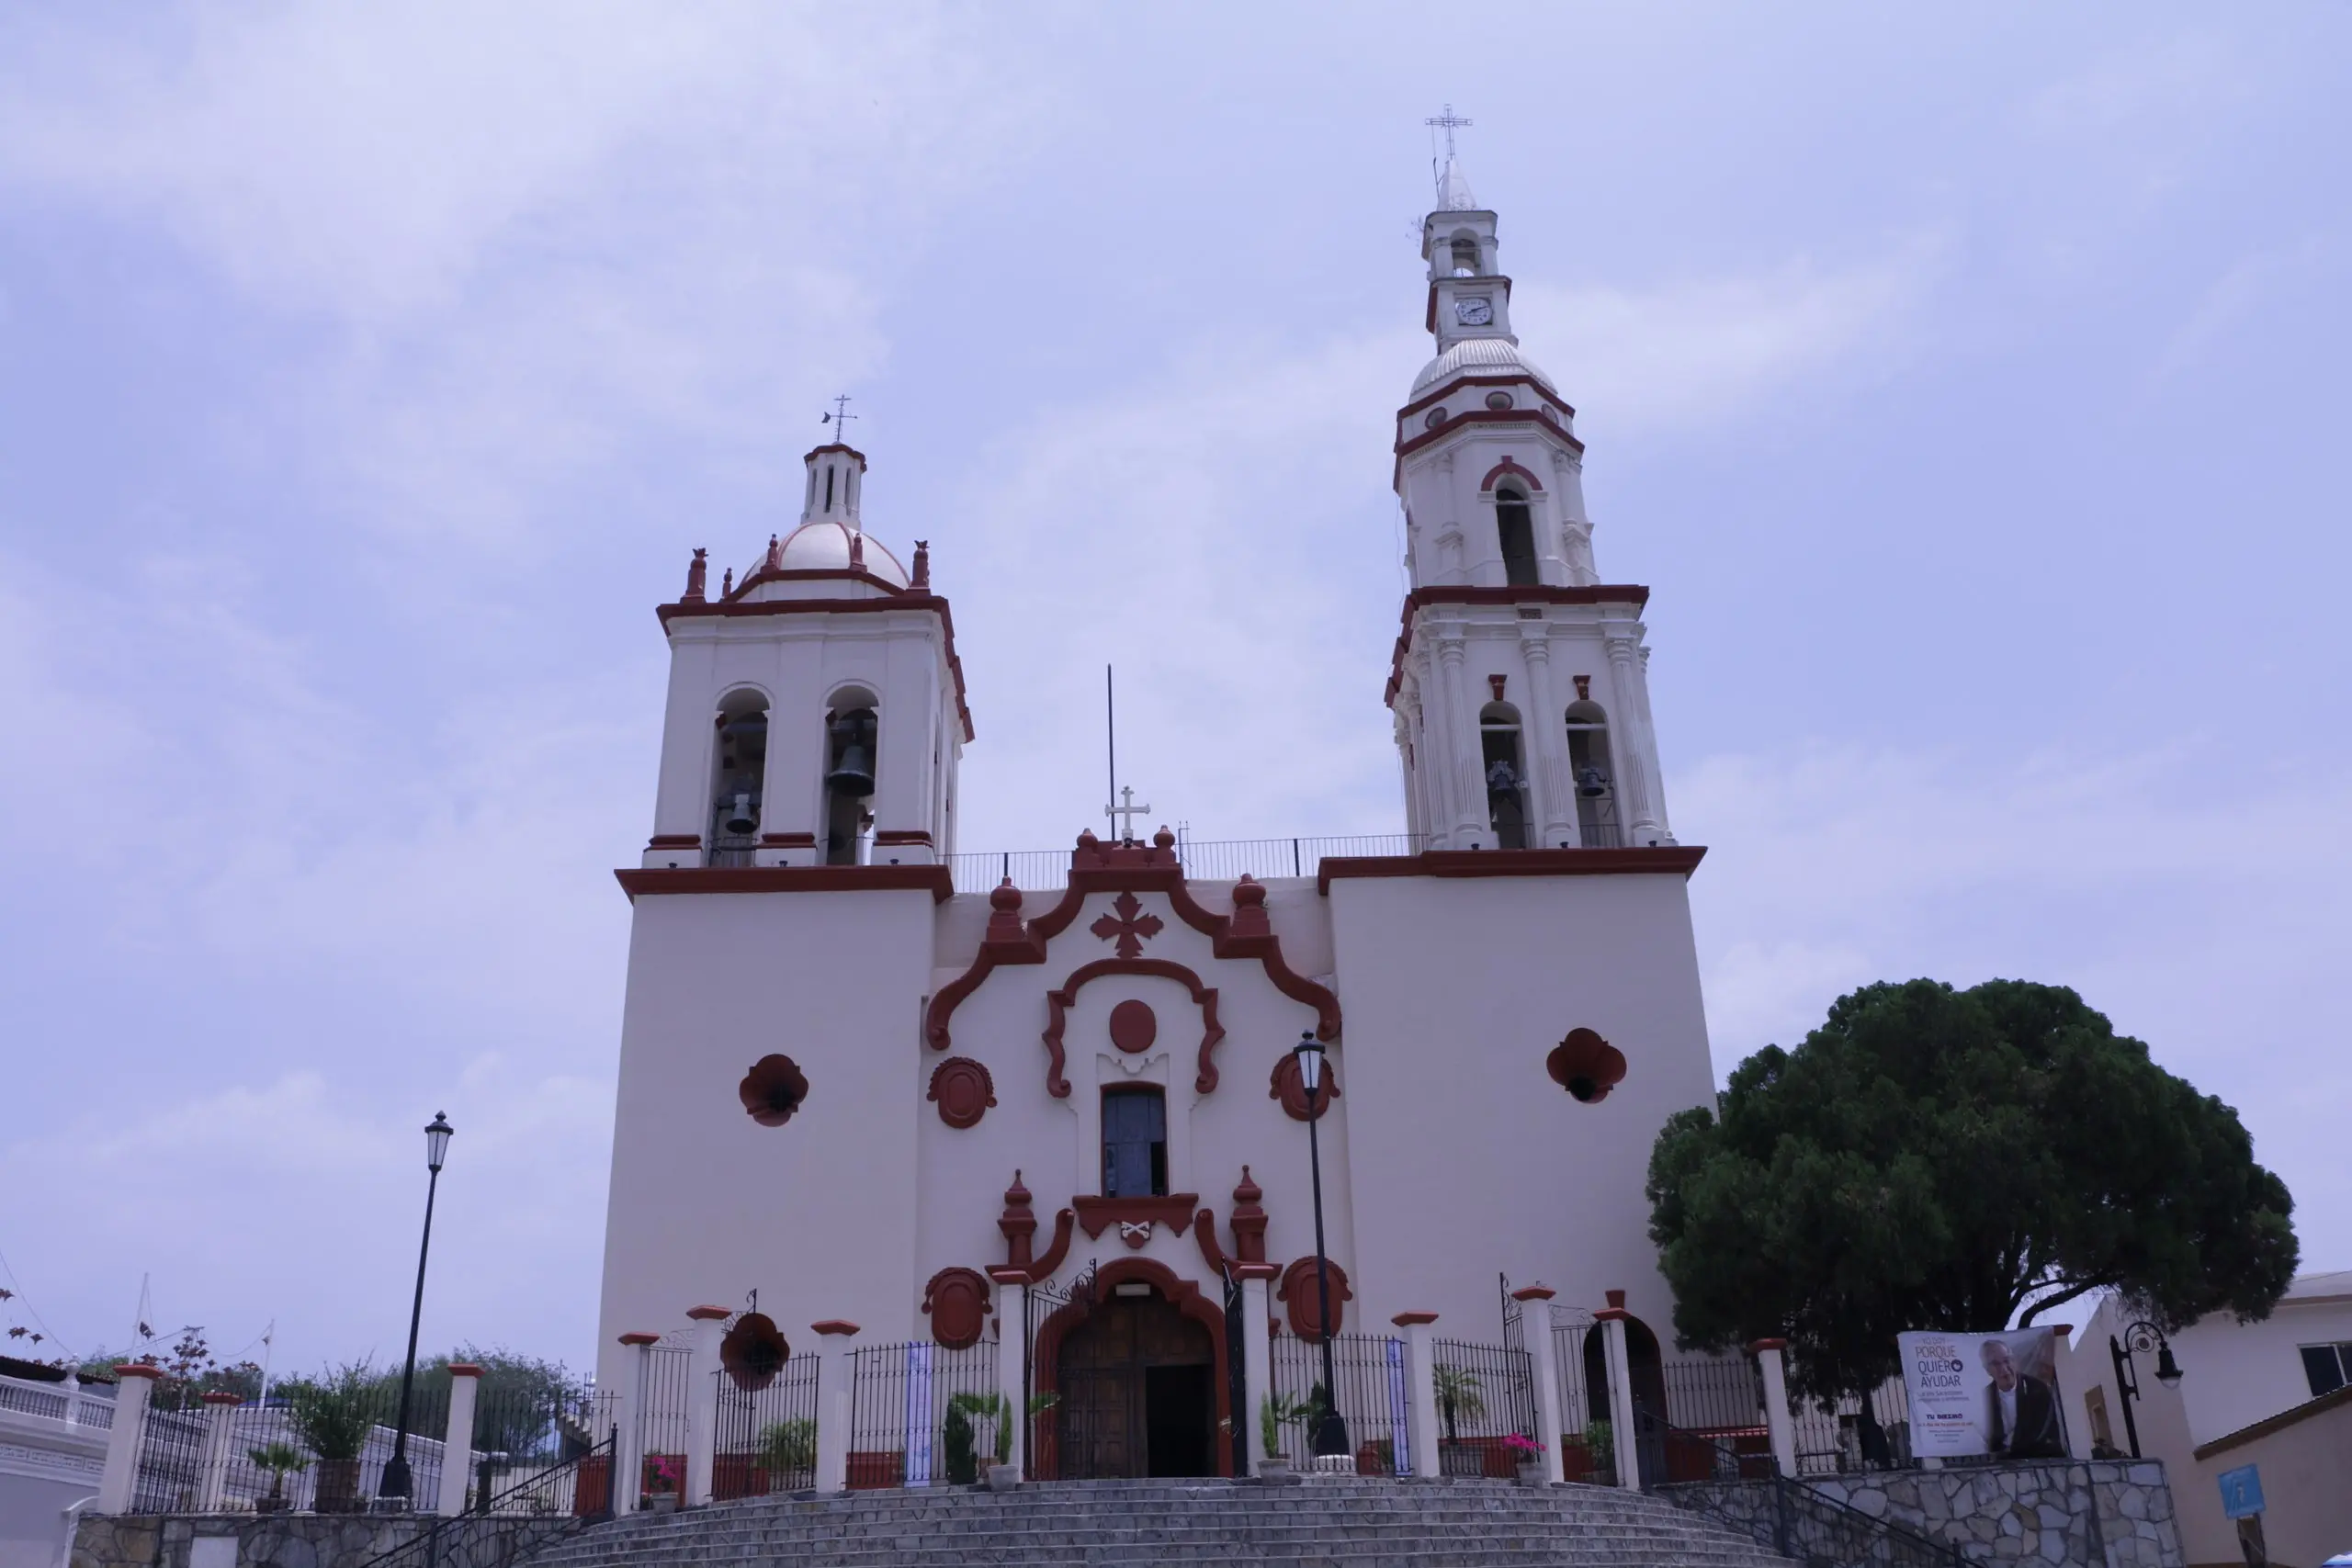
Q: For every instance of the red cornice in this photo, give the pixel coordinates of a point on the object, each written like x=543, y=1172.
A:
x=1058, y=1003
x=1175, y=1210
x=640, y=1339
x=1665, y=860
x=837, y=446
x=708, y=1314
x=1413, y=1319
x=1417, y=404
x=1533, y=1293
x=833, y=1327
x=137, y=1369
x=1420, y=598
x=1407, y=447
x=898, y=599
x=1230, y=936
x=936, y=880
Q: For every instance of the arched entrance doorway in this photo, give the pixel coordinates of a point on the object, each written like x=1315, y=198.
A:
x=1140, y=1377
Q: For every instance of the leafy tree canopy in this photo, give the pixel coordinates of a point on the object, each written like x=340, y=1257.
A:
x=1962, y=1160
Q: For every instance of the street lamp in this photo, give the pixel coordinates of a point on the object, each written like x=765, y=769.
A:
x=1331, y=1431
x=394, y=1488
x=2140, y=1337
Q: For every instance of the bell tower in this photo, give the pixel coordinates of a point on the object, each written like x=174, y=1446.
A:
x=1519, y=690
x=815, y=710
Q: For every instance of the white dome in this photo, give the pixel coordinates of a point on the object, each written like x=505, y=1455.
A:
x=824, y=547
x=1477, y=355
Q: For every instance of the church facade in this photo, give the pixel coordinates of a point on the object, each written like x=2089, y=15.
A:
x=880, y=1101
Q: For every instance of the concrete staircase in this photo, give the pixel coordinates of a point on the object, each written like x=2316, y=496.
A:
x=1361, y=1523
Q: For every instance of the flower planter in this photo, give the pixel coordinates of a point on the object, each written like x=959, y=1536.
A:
x=1531, y=1473
x=1277, y=1472
x=662, y=1503
x=338, y=1486
x=1003, y=1477
x=273, y=1504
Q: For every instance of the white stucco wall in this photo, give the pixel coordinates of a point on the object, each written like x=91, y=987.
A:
x=1472, y=1160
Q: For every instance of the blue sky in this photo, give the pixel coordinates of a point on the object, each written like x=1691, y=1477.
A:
x=1960, y=382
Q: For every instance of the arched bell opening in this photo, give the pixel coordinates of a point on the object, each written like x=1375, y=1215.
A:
x=738, y=775
x=1506, y=774
x=1466, y=255
x=851, y=736
x=1516, y=525
x=1594, y=776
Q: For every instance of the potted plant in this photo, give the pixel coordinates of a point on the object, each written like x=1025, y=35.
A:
x=1276, y=1411
x=1527, y=1454
x=1459, y=1395
x=967, y=1414
x=334, y=1416
x=661, y=1484
x=787, y=1450
x=1600, y=1437
x=279, y=1460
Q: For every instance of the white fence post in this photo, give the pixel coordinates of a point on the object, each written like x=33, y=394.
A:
x=1420, y=1374
x=220, y=1441
x=1011, y=1345
x=628, y=1452
x=1535, y=1338
x=458, y=1437
x=834, y=1375
x=1626, y=1438
x=702, y=1404
x=1778, y=1418
x=1257, y=1349
x=120, y=1478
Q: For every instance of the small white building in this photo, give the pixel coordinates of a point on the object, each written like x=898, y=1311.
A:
x=873, y=1084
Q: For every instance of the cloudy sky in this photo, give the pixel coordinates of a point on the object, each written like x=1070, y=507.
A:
x=1962, y=384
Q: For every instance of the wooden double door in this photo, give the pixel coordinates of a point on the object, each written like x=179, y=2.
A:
x=1138, y=1395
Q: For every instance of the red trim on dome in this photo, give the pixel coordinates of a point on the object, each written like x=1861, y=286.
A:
x=1406, y=448
x=936, y=880
x=835, y=446
x=899, y=599
x=1510, y=465
x=1420, y=598
x=1417, y=404
x=1659, y=860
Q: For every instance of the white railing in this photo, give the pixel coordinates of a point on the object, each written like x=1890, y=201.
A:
x=66, y=1401
x=1212, y=859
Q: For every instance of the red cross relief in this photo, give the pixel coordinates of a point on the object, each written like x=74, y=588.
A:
x=1130, y=924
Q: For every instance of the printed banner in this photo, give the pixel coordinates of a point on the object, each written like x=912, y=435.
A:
x=1985, y=1394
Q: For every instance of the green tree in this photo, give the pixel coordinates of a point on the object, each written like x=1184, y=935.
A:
x=525, y=1406
x=1932, y=1158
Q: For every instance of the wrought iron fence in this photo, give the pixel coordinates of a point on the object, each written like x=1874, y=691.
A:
x=1486, y=1395
x=1371, y=1393
x=767, y=1436
x=1587, y=1447
x=1061, y=1440
x=1211, y=860
x=326, y=1452
x=665, y=1386
x=1793, y=1519
x=173, y=1446
x=1853, y=1434
x=917, y=1413
x=518, y=1520
x=1719, y=1395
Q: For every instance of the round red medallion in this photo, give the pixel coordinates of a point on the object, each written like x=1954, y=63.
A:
x=957, y=1301
x=1289, y=1087
x=1586, y=1065
x=963, y=1090
x=1133, y=1027
x=773, y=1089
x=753, y=1351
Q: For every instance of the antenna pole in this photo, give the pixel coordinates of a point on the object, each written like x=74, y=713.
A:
x=1111, y=733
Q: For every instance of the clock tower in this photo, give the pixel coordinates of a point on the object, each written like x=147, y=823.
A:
x=1469, y=298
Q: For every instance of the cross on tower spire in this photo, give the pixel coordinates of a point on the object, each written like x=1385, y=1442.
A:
x=841, y=416
x=1125, y=812
x=1448, y=119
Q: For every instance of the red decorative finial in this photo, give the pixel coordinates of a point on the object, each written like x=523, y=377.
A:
x=1017, y=1225
x=697, y=572
x=776, y=554
x=856, y=550
x=1163, y=839
x=923, y=564
x=1248, y=1222
x=1004, y=915
x=727, y=585
x=1495, y=683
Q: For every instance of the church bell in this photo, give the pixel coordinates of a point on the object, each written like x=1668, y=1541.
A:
x=741, y=817
x=853, y=772
x=1591, y=784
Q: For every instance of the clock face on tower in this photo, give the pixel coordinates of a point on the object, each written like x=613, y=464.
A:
x=1474, y=312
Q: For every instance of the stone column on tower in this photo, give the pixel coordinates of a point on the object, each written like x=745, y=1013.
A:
x=1463, y=781
x=1544, y=729
x=1637, y=751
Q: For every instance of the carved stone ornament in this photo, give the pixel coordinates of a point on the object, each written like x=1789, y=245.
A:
x=1586, y=1065
x=1297, y=1292
x=1133, y=1027
x=957, y=1301
x=753, y=1351
x=963, y=1090
x=773, y=1090
x=1289, y=1087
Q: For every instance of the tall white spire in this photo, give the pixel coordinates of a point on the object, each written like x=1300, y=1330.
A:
x=1454, y=189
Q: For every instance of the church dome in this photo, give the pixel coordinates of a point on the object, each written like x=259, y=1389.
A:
x=1477, y=356
x=823, y=545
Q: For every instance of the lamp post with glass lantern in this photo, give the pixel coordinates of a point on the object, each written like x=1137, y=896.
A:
x=394, y=1487
x=1332, y=1430
x=2143, y=1336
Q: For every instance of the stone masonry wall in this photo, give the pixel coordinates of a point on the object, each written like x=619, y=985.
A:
x=2103, y=1514
x=276, y=1540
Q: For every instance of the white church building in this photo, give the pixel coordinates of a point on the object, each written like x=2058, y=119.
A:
x=900, y=1096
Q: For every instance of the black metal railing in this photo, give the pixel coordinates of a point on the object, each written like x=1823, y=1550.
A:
x=1720, y=1395
x=1485, y=1396
x=1373, y=1395
x=1588, y=1446
x=322, y=1451
x=1852, y=1434
x=732, y=853
x=1797, y=1520
x=172, y=1451
x=664, y=1389
x=523, y=1517
x=922, y=1415
x=1210, y=860
x=766, y=1437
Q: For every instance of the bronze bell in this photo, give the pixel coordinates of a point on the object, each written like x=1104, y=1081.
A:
x=1591, y=785
x=743, y=815
x=853, y=773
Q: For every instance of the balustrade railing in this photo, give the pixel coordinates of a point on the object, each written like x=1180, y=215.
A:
x=916, y=1416
x=1373, y=1396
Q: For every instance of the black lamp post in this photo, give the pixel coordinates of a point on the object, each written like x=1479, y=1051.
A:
x=1331, y=1431
x=2138, y=1337
x=394, y=1487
